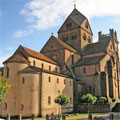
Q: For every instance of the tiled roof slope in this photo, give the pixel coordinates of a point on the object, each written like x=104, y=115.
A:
x=37, y=55
x=77, y=17
x=95, y=47
x=65, y=45
x=88, y=61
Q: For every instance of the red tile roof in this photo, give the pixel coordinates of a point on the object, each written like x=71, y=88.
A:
x=40, y=56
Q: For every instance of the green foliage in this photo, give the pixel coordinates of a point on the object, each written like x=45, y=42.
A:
x=3, y=88
x=102, y=100
x=113, y=99
x=62, y=100
x=88, y=98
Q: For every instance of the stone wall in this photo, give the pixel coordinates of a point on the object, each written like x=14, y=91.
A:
x=83, y=108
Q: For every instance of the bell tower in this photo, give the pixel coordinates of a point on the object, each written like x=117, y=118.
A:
x=76, y=30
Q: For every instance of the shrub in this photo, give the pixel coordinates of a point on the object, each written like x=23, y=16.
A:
x=102, y=100
x=88, y=98
x=113, y=99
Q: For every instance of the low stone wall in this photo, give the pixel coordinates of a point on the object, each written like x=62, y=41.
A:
x=97, y=108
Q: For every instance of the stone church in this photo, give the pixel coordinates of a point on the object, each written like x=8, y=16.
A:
x=70, y=64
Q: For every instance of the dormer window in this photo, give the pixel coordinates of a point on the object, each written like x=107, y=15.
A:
x=68, y=26
x=65, y=38
x=84, y=36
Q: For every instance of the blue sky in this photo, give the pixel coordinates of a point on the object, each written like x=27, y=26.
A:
x=31, y=22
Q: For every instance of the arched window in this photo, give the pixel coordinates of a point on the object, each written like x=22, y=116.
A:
x=84, y=36
x=70, y=83
x=22, y=107
x=5, y=106
x=89, y=40
x=42, y=66
x=49, y=79
x=58, y=92
x=49, y=100
x=64, y=82
x=68, y=25
x=7, y=72
x=23, y=80
x=86, y=25
x=49, y=68
x=34, y=63
x=57, y=80
x=73, y=37
x=84, y=70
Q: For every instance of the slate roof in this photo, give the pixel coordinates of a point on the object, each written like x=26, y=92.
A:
x=88, y=61
x=38, y=55
x=95, y=47
x=77, y=17
x=65, y=45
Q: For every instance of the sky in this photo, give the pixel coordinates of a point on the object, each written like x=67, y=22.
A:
x=31, y=22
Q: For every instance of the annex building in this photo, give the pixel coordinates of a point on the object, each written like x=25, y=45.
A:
x=71, y=64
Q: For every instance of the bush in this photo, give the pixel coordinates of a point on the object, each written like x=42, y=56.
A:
x=88, y=98
x=102, y=100
x=113, y=99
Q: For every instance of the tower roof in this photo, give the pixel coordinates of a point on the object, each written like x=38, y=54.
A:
x=77, y=17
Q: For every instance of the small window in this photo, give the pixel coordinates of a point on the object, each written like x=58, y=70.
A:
x=22, y=107
x=7, y=72
x=70, y=83
x=84, y=36
x=57, y=80
x=42, y=66
x=34, y=63
x=23, y=80
x=90, y=89
x=49, y=68
x=49, y=79
x=93, y=90
x=84, y=70
x=49, y=100
x=65, y=38
x=64, y=82
x=5, y=106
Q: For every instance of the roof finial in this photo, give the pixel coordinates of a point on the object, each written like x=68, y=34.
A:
x=74, y=4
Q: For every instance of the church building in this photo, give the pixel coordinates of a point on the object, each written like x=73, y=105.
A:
x=70, y=64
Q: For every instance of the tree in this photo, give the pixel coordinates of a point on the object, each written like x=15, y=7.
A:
x=89, y=99
x=4, y=86
x=62, y=100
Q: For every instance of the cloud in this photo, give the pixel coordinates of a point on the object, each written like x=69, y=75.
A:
x=9, y=48
x=44, y=14
x=22, y=33
x=3, y=58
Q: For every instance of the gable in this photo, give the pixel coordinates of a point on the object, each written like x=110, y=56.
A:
x=68, y=21
x=51, y=45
